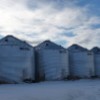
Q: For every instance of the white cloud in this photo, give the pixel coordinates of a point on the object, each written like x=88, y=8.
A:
x=38, y=20
x=87, y=36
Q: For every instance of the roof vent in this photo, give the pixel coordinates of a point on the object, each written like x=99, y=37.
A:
x=46, y=44
x=6, y=40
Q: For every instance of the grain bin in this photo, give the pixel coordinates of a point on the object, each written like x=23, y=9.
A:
x=16, y=60
x=52, y=61
x=96, y=52
x=80, y=62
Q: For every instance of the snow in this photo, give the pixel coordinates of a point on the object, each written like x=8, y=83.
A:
x=59, y=90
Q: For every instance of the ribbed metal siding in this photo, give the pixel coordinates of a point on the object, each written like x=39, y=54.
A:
x=97, y=64
x=16, y=64
x=81, y=64
x=53, y=64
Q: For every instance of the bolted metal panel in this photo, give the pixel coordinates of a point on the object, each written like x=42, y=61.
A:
x=16, y=60
x=81, y=64
x=53, y=64
x=97, y=64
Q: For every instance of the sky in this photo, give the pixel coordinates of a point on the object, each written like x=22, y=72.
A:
x=65, y=22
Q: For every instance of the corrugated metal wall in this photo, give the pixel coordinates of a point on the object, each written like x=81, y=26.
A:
x=81, y=64
x=53, y=64
x=97, y=64
x=17, y=62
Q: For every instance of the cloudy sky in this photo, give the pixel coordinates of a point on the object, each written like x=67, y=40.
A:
x=62, y=21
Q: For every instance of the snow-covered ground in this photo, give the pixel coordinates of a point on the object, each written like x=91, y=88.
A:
x=64, y=90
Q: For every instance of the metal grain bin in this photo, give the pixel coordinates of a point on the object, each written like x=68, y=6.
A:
x=53, y=64
x=52, y=61
x=16, y=60
x=80, y=62
x=96, y=52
